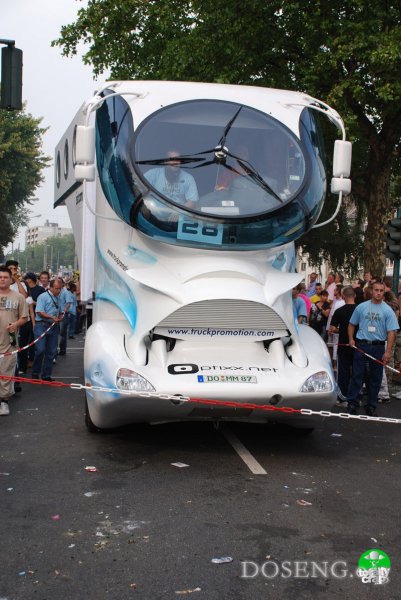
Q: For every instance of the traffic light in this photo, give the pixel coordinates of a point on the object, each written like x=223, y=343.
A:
x=393, y=239
x=11, y=77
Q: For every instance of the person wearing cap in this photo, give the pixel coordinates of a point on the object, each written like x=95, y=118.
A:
x=34, y=290
x=26, y=331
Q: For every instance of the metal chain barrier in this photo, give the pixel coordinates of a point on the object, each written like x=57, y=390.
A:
x=204, y=401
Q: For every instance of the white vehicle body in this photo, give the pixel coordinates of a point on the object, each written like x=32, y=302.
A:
x=193, y=294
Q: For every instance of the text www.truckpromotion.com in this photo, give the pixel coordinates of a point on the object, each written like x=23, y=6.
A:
x=223, y=332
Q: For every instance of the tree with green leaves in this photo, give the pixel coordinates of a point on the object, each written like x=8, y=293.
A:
x=21, y=167
x=50, y=254
x=345, y=52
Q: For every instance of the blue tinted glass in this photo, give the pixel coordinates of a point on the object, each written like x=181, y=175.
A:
x=219, y=158
x=234, y=178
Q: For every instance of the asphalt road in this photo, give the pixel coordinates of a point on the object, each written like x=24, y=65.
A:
x=139, y=527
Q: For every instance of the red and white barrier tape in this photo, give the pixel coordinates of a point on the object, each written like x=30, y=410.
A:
x=371, y=357
x=31, y=343
x=206, y=401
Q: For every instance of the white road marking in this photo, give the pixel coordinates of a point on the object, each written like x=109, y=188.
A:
x=253, y=465
x=72, y=348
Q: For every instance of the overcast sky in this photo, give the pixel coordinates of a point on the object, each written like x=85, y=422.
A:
x=54, y=86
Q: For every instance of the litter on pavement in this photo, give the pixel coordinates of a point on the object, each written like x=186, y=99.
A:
x=222, y=560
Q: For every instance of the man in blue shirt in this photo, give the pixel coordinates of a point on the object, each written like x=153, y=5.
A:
x=377, y=325
x=65, y=303
x=312, y=285
x=48, y=311
x=298, y=307
x=173, y=182
x=68, y=306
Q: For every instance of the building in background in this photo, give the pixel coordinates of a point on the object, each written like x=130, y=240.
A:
x=40, y=233
x=306, y=268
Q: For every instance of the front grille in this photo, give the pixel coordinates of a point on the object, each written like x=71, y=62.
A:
x=225, y=313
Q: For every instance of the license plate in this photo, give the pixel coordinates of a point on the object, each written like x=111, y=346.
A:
x=226, y=379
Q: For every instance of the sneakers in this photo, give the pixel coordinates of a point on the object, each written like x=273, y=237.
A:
x=342, y=403
x=384, y=400
x=352, y=410
x=47, y=379
x=4, y=409
x=370, y=411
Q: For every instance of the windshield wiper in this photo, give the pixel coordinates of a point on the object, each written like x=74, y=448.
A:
x=220, y=151
x=167, y=161
x=245, y=165
x=222, y=141
x=255, y=176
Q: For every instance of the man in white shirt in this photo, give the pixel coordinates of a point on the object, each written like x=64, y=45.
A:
x=331, y=286
x=173, y=182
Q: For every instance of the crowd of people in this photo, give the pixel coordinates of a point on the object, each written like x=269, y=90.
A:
x=354, y=320
x=33, y=307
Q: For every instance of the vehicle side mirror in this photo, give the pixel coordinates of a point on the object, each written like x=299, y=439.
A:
x=84, y=145
x=342, y=158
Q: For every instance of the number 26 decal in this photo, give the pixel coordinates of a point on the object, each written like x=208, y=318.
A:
x=199, y=231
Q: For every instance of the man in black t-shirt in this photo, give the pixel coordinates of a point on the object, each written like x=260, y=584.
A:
x=26, y=332
x=345, y=354
x=319, y=314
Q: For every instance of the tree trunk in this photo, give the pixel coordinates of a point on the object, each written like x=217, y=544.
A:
x=377, y=215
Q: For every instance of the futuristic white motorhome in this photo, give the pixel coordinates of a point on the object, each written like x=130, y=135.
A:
x=185, y=200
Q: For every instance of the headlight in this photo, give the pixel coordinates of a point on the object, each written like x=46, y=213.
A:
x=318, y=382
x=130, y=380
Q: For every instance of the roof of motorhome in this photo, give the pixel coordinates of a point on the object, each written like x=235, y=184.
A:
x=149, y=96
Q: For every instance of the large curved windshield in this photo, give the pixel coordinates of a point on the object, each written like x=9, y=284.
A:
x=210, y=173
x=219, y=158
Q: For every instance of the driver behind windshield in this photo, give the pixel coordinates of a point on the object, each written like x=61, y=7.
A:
x=226, y=175
x=173, y=182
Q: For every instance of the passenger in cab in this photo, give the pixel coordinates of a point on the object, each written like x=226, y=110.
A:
x=225, y=175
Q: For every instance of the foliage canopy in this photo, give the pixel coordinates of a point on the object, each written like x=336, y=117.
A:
x=21, y=166
x=55, y=251
x=347, y=53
